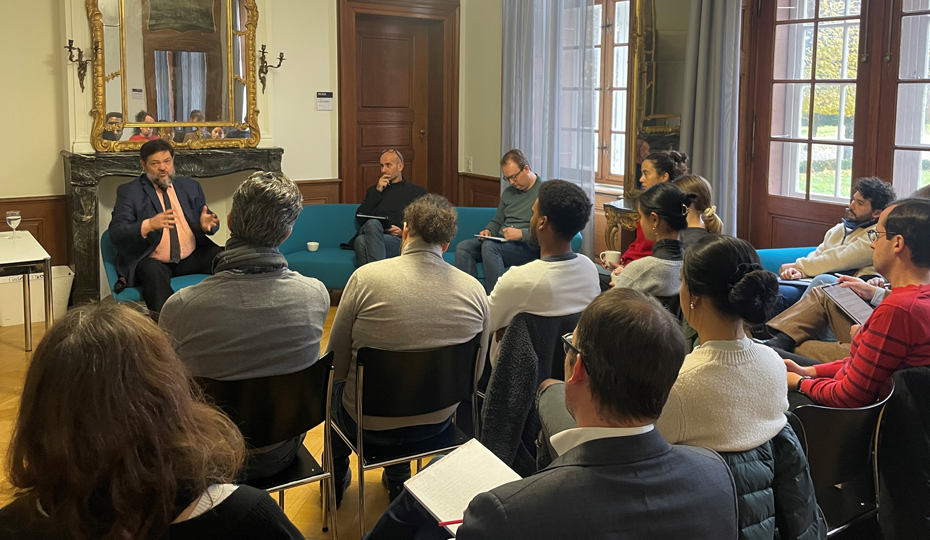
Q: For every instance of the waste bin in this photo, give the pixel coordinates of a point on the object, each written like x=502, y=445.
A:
x=11, y=295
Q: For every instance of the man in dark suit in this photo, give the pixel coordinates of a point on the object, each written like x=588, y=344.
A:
x=615, y=476
x=160, y=225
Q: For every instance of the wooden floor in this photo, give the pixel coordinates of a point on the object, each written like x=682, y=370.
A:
x=302, y=504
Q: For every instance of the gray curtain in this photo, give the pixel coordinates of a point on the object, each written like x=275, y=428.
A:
x=190, y=84
x=548, y=91
x=162, y=87
x=711, y=92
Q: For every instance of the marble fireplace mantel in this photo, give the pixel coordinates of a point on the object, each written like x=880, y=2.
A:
x=83, y=173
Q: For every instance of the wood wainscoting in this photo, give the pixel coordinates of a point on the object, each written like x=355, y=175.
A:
x=46, y=218
x=479, y=190
x=320, y=191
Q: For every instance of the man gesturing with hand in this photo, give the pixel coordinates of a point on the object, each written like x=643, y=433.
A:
x=160, y=225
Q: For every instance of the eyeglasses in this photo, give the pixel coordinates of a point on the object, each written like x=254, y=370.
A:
x=875, y=234
x=567, y=344
x=513, y=177
x=400, y=157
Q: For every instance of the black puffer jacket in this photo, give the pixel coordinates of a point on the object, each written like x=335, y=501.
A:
x=775, y=493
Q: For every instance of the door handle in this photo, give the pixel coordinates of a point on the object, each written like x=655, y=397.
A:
x=422, y=134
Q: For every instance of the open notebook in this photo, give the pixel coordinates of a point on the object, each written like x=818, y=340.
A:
x=446, y=487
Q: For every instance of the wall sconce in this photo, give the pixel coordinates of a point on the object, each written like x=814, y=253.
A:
x=81, y=63
x=264, y=67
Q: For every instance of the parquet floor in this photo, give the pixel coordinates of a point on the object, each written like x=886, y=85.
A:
x=302, y=504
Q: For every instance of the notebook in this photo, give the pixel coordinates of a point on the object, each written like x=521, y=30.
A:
x=446, y=487
x=382, y=219
x=495, y=238
x=850, y=302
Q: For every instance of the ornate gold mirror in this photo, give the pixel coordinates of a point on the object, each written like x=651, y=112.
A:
x=658, y=37
x=180, y=70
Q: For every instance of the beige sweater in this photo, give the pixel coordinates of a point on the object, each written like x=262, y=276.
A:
x=838, y=252
x=730, y=396
x=413, y=302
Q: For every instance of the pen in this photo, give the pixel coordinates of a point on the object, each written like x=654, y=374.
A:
x=453, y=522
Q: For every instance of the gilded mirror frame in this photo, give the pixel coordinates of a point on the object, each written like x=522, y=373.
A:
x=100, y=78
x=641, y=81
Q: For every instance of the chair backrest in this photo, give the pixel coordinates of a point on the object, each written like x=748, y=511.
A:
x=108, y=254
x=838, y=442
x=269, y=410
x=410, y=383
x=672, y=305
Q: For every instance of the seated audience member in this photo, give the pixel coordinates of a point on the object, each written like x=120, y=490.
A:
x=702, y=214
x=560, y=282
x=845, y=247
x=413, y=302
x=801, y=328
x=144, y=133
x=386, y=199
x=218, y=133
x=895, y=336
x=662, y=215
x=114, y=119
x=111, y=441
x=213, y=322
x=658, y=168
x=195, y=133
x=511, y=222
x=160, y=225
x=615, y=476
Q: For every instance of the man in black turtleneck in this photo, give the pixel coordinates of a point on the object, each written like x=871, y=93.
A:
x=380, y=239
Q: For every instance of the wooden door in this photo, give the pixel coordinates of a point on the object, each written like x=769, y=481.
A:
x=392, y=85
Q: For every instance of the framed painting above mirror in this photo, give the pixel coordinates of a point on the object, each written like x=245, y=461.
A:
x=180, y=70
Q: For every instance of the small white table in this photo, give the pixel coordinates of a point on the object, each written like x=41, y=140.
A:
x=23, y=255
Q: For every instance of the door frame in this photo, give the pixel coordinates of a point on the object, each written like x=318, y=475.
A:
x=447, y=11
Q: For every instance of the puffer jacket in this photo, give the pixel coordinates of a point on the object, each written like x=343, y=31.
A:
x=775, y=493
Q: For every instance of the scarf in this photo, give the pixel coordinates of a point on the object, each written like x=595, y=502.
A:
x=243, y=257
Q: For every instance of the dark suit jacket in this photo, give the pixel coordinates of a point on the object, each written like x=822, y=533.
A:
x=137, y=201
x=636, y=487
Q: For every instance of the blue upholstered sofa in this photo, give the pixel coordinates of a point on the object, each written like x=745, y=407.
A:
x=772, y=259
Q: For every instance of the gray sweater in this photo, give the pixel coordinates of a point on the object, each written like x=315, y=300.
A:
x=413, y=302
x=234, y=326
x=515, y=210
x=651, y=275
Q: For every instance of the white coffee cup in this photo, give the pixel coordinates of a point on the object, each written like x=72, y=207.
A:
x=611, y=257
x=313, y=246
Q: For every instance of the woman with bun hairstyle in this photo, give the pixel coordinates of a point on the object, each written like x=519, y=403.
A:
x=702, y=214
x=731, y=393
x=658, y=168
x=662, y=215
x=112, y=442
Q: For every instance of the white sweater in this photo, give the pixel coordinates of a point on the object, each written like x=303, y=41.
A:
x=730, y=396
x=840, y=252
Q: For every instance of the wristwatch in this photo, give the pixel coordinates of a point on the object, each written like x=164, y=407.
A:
x=798, y=387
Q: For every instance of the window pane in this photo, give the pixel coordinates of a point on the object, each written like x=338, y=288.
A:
x=791, y=110
x=834, y=111
x=793, y=51
x=595, y=69
x=911, y=171
x=570, y=29
x=916, y=5
x=617, y=153
x=911, y=127
x=569, y=109
x=596, y=111
x=595, y=31
x=618, y=112
x=915, y=47
x=837, y=50
x=839, y=8
x=621, y=66
x=831, y=171
x=622, y=22
x=571, y=64
x=788, y=169
x=789, y=10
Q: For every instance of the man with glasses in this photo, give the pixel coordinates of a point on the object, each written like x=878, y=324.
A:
x=381, y=214
x=510, y=223
x=897, y=334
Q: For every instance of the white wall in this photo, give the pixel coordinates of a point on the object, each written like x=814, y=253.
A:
x=480, y=86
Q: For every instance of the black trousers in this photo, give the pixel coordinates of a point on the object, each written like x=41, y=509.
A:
x=154, y=277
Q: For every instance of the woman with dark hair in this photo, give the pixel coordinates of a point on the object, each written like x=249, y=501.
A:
x=113, y=442
x=144, y=133
x=662, y=214
x=730, y=393
x=658, y=168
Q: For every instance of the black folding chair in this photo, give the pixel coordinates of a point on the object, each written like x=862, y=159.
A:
x=272, y=409
x=410, y=383
x=840, y=445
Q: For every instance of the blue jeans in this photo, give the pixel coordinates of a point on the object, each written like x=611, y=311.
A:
x=495, y=257
x=372, y=244
x=396, y=474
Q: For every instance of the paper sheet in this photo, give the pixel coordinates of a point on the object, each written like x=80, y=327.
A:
x=495, y=238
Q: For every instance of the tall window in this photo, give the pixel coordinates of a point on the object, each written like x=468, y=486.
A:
x=912, y=129
x=611, y=22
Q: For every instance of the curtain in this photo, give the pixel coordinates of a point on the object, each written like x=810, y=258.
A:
x=548, y=91
x=162, y=87
x=190, y=84
x=711, y=92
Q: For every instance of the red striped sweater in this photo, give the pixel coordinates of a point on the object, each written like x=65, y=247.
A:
x=896, y=336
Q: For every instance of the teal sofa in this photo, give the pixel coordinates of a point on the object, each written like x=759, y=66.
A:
x=134, y=294
x=772, y=259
